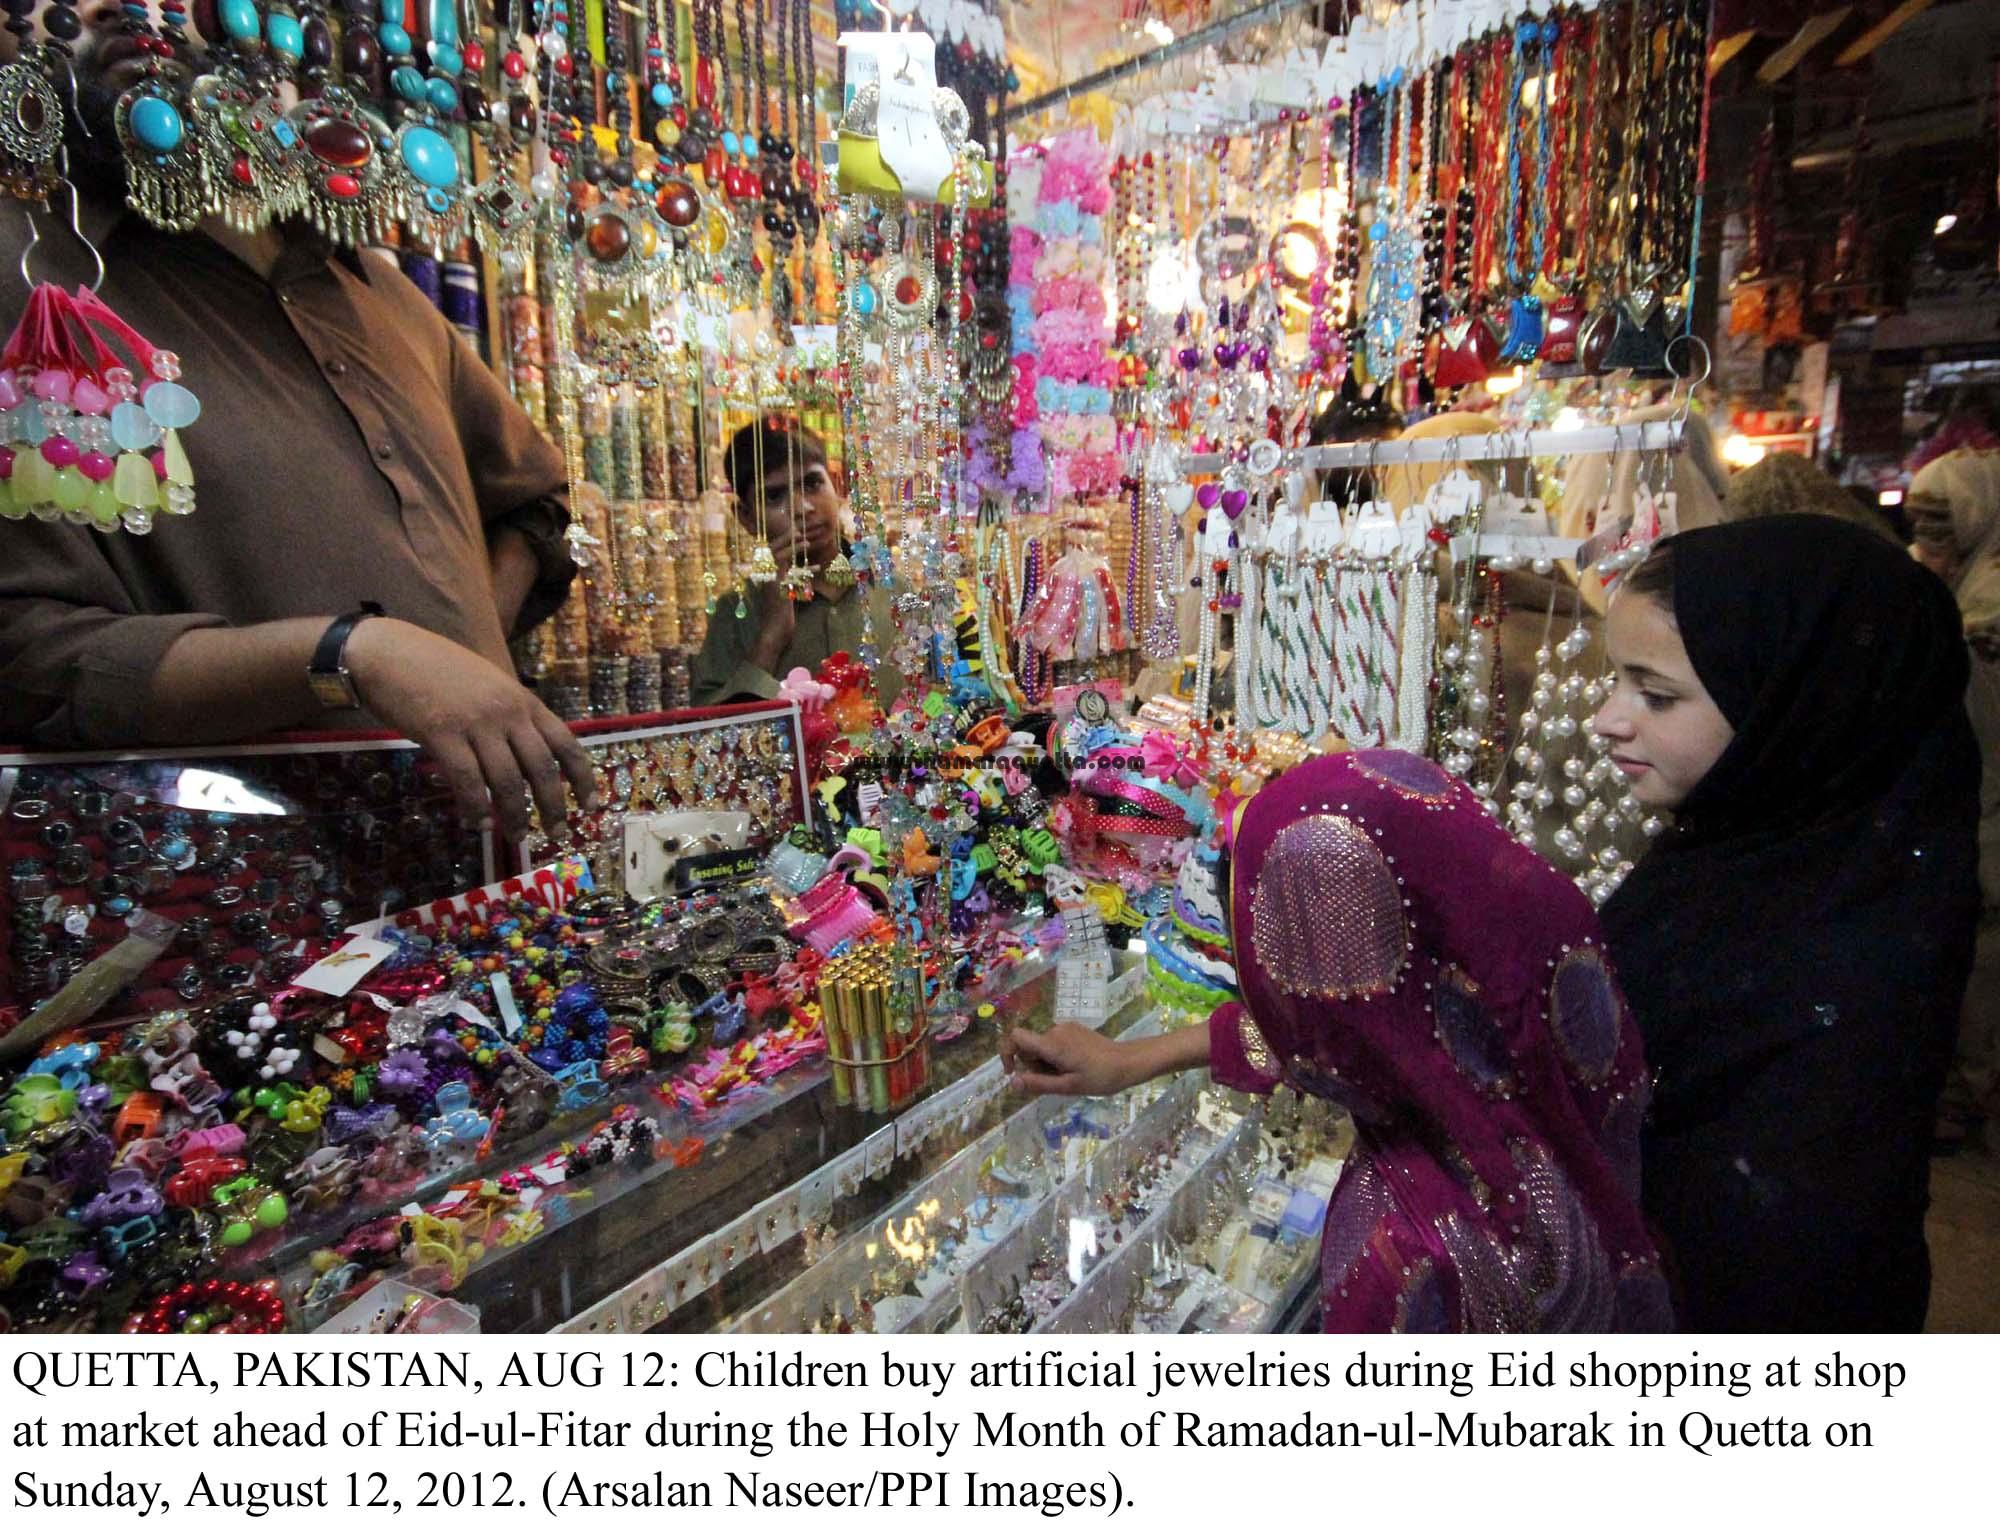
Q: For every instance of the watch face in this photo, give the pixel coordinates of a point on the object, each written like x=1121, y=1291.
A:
x=334, y=690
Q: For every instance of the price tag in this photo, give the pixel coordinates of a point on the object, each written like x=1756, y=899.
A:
x=344, y=968
x=503, y=997
x=1453, y=496
x=700, y=1264
x=1372, y=532
x=906, y=126
x=815, y=1195
x=778, y=1221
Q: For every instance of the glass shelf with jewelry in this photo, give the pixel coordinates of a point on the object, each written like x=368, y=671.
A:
x=1084, y=1230
x=848, y=1186
x=905, y=1271
x=1236, y=1249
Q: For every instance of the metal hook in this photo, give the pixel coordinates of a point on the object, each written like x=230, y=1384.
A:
x=75, y=106
x=1611, y=471
x=1679, y=417
x=75, y=227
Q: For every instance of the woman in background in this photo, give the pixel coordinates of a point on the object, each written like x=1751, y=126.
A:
x=1954, y=509
x=1796, y=945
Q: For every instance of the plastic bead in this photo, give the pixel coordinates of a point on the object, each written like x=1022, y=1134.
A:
x=287, y=37
x=103, y=506
x=171, y=405
x=239, y=19
x=34, y=479
x=132, y=427
x=174, y=461
x=134, y=482
x=71, y=490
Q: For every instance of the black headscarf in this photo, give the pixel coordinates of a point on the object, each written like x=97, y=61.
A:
x=1796, y=946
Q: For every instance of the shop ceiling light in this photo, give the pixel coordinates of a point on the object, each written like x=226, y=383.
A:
x=1741, y=451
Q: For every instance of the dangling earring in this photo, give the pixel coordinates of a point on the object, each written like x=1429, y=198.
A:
x=31, y=124
x=81, y=422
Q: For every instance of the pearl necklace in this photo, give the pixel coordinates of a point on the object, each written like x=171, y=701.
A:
x=1418, y=643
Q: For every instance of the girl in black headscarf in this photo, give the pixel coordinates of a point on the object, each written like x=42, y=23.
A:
x=1796, y=945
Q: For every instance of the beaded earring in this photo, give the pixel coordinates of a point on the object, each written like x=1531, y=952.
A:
x=78, y=427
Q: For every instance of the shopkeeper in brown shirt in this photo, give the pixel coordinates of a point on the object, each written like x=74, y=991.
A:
x=352, y=450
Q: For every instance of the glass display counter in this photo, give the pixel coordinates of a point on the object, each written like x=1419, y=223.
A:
x=1177, y=1206
x=612, y=1195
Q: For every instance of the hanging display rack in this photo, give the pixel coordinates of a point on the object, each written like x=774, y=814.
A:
x=1517, y=445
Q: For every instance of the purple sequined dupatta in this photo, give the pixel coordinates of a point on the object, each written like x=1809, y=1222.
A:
x=1401, y=955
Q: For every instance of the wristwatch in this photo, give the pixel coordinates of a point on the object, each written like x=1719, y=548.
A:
x=327, y=675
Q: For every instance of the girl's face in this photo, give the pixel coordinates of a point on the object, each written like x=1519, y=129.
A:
x=1665, y=732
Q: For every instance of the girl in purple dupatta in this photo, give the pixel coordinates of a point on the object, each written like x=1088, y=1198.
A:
x=1399, y=954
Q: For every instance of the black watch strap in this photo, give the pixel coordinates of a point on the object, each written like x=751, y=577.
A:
x=327, y=672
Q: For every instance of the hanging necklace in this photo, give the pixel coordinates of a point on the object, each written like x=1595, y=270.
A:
x=166, y=173
x=753, y=145
x=698, y=131
x=675, y=199
x=779, y=224
x=804, y=171
x=1527, y=207
x=1395, y=271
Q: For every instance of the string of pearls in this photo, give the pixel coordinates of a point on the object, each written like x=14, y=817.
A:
x=1418, y=644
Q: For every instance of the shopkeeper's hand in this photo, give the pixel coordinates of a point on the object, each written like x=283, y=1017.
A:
x=772, y=610
x=494, y=742
x=1068, y=1060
